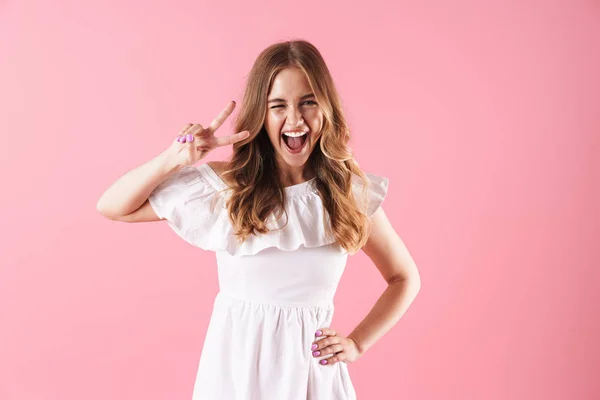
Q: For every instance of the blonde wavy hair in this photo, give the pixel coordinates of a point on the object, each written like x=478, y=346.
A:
x=251, y=172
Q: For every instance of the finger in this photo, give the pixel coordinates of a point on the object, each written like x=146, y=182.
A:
x=325, y=332
x=231, y=139
x=185, y=128
x=333, y=359
x=185, y=138
x=187, y=135
x=335, y=348
x=320, y=344
x=217, y=122
x=196, y=129
x=182, y=132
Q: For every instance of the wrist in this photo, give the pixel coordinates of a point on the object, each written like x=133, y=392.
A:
x=167, y=164
x=358, y=346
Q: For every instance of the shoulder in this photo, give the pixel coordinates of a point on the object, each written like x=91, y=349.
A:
x=218, y=167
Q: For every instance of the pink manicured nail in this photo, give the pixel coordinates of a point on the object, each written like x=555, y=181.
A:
x=316, y=353
x=314, y=346
x=323, y=362
x=319, y=333
x=179, y=139
x=190, y=137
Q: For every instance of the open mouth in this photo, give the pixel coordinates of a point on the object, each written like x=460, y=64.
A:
x=295, y=141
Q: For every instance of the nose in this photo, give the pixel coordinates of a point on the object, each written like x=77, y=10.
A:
x=294, y=117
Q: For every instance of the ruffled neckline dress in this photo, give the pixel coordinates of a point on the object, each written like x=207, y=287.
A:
x=275, y=289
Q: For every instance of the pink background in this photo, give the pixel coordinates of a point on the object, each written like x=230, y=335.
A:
x=484, y=116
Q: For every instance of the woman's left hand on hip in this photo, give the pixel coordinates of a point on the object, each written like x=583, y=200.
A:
x=329, y=342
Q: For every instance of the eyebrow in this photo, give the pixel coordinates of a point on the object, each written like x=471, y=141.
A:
x=282, y=100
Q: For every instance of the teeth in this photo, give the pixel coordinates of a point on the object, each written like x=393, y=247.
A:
x=295, y=134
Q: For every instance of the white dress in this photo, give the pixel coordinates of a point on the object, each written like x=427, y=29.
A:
x=275, y=291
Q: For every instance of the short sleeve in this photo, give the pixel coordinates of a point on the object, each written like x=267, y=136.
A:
x=184, y=200
x=168, y=197
x=376, y=191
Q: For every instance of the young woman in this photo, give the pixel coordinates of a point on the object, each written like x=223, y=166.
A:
x=282, y=215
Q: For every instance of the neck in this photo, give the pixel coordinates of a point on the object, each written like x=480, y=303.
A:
x=289, y=175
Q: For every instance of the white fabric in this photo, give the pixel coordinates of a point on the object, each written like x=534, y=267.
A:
x=275, y=290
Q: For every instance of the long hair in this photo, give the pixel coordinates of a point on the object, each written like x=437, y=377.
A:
x=252, y=171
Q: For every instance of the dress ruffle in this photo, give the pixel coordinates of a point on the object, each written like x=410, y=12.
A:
x=193, y=202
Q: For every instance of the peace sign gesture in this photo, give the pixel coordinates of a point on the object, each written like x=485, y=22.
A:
x=194, y=142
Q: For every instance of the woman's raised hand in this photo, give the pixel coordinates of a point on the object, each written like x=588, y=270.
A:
x=194, y=141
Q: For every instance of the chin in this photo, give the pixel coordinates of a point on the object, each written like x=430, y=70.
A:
x=295, y=162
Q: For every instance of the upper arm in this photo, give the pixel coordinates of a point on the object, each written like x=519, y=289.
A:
x=145, y=213
x=387, y=250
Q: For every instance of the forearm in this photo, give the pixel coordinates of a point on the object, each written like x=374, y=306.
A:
x=386, y=312
x=132, y=189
